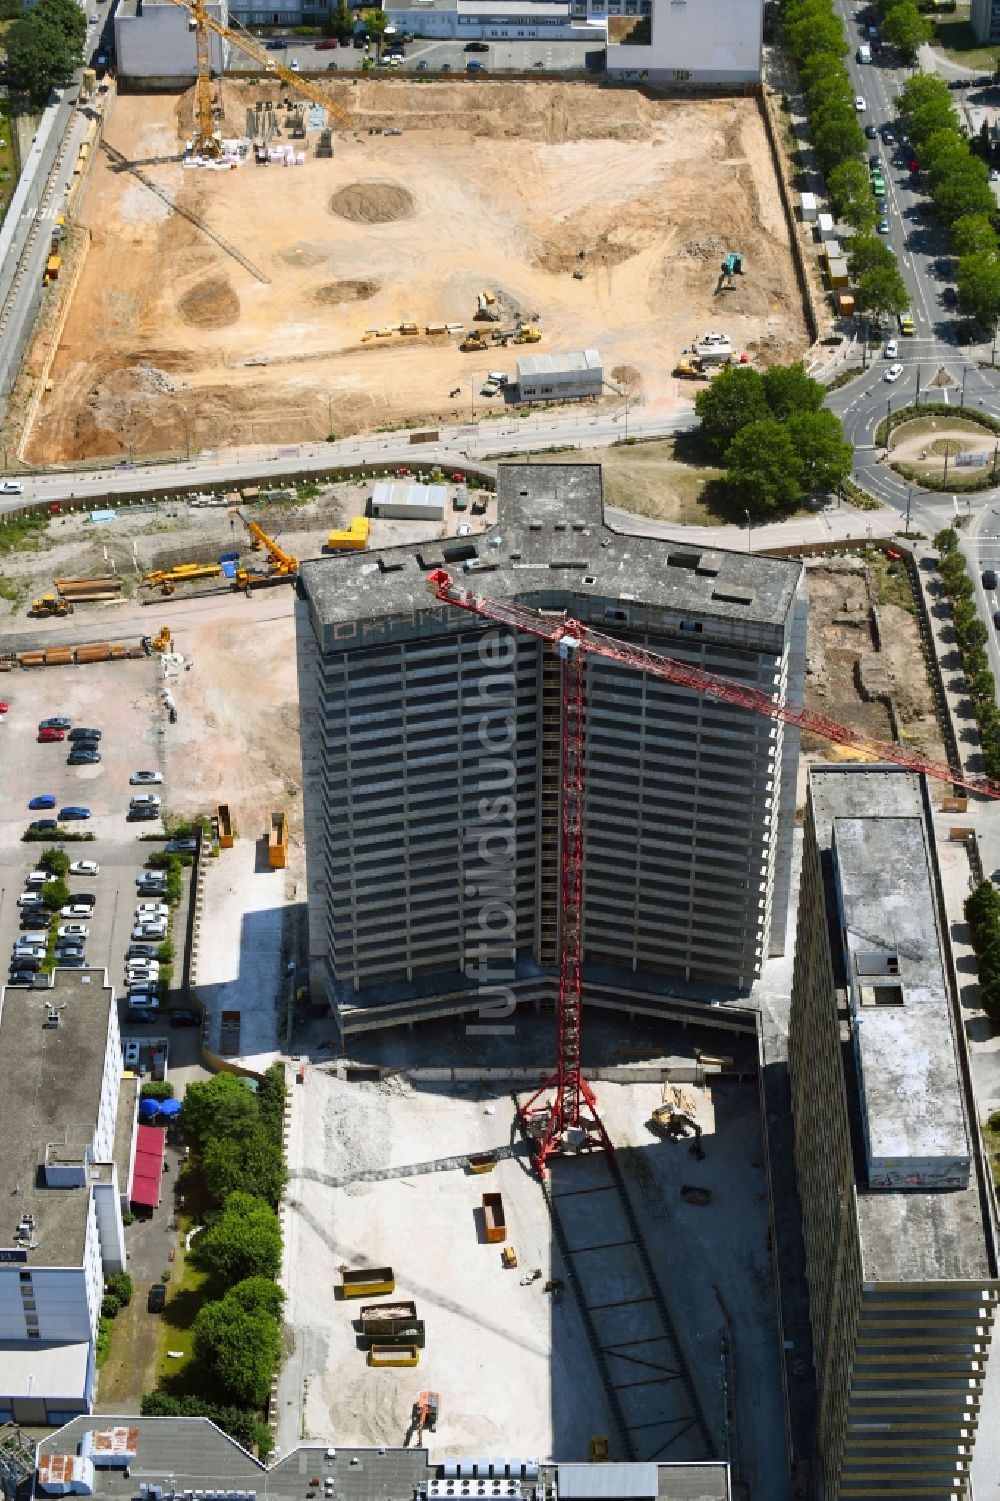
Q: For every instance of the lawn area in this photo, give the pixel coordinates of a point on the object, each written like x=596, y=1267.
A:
x=8, y=161
x=891, y=581
x=650, y=479
x=955, y=37
x=187, y=1290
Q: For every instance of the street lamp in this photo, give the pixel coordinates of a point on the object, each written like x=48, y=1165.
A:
x=747, y=515
x=187, y=432
x=909, y=498
x=964, y=370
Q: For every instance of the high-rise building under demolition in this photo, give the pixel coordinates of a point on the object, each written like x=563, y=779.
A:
x=900, y=1248
x=432, y=759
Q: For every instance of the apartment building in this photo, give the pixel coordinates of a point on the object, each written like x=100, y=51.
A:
x=900, y=1251
x=63, y=1161
x=432, y=747
x=682, y=42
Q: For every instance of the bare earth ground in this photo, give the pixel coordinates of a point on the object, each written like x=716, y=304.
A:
x=511, y=186
x=839, y=634
x=648, y=480
x=924, y=442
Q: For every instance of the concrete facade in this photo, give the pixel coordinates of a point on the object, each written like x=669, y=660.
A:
x=688, y=42
x=984, y=17
x=153, y=42
x=60, y=1070
x=432, y=761
x=503, y=20
x=900, y=1251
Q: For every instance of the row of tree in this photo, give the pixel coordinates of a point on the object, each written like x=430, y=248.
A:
x=237, y=1160
x=960, y=192
x=982, y=912
x=773, y=436
x=815, y=37
x=904, y=27
x=44, y=47
x=972, y=636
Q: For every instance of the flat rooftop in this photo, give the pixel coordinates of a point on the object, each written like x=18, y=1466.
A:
x=574, y=362
x=185, y=1454
x=912, y=1234
x=50, y=1090
x=905, y=1041
x=550, y=545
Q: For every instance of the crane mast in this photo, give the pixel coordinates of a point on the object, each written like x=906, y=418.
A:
x=563, y=1113
x=206, y=142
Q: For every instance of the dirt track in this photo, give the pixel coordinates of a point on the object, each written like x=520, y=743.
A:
x=509, y=186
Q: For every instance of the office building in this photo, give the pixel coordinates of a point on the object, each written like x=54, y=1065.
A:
x=64, y=1163
x=175, y=1459
x=560, y=377
x=683, y=42
x=154, y=45
x=899, y=1241
x=432, y=749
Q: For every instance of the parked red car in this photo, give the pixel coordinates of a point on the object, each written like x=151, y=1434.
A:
x=327, y=44
x=45, y=735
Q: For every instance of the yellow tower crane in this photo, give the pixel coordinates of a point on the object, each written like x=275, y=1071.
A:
x=206, y=141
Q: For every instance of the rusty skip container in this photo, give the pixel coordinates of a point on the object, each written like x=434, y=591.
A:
x=367, y=1282
x=411, y=1332
x=493, y=1218
x=386, y=1313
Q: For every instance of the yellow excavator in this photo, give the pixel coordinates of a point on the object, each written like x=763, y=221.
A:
x=50, y=604
x=207, y=142
x=282, y=565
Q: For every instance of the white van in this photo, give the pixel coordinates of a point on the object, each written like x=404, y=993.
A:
x=11, y=487
x=864, y=54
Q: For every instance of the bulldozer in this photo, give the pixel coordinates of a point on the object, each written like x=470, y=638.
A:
x=527, y=334
x=688, y=367
x=50, y=604
x=472, y=340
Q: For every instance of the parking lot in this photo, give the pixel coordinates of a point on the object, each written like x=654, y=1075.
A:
x=121, y=700
x=431, y=56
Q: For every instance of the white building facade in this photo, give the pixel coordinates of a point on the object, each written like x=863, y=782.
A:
x=60, y=1073
x=501, y=20
x=154, y=43
x=684, y=41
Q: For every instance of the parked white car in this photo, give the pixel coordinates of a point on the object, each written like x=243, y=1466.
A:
x=85, y=868
x=148, y=911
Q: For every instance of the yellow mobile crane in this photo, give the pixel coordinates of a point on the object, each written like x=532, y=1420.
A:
x=283, y=565
x=206, y=141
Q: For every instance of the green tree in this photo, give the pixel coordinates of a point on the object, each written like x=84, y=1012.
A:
x=882, y=291
x=55, y=894
x=271, y=1093
x=819, y=66
x=824, y=453
x=831, y=90
x=763, y=469
x=789, y=389
x=157, y=1089
x=251, y=1162
x=964, y=189
x=947, y=540
x=867, y=253
x=220, y=1106
x=905, y=28
x=973, y=234
x=237, y=1351
x=67, y=17
x=376, y=22
x=243, y=1241
x=813, y=29
x=340, y=21
x=979, y=287
x=258, y=1295
x=734, y=399
x=837, y=138
x=925, y=105
x=39, y=58
x=120, y=1286
x=56, y=862
x=851, y=193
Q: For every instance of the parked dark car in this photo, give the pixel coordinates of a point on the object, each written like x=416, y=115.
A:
x=74, y=811
x=83, y=756
x=80, y=732
x=43, y=824
x=137, y=815
x=157, y=1300
x=183, y=1017
x=54, y=724
x=276, y=44
x=181, y=846
x=477, y=47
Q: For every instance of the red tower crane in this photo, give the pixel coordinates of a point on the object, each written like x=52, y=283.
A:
x=563, y=1113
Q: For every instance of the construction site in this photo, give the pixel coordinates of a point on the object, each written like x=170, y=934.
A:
x=320, y=293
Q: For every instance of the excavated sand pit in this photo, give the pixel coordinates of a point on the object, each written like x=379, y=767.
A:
x=345, y=291
x=373, y=203
x=210, y=304
x=599, y=214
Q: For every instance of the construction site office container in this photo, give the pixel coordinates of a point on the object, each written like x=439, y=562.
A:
x=809, y=209
x=825, y=226
x=494, y=1219
x=226, y=835
x=277, y=841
